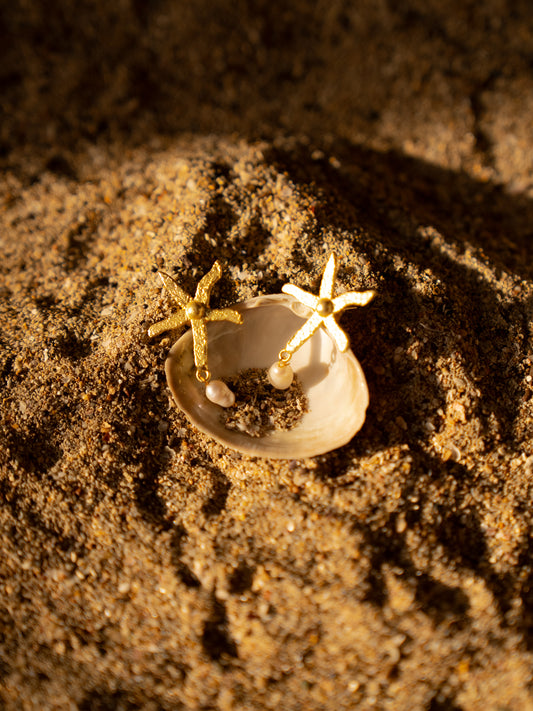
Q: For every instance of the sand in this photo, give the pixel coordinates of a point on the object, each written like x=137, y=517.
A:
x=143, y=565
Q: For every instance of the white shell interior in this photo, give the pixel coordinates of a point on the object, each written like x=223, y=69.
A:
x=333, y=381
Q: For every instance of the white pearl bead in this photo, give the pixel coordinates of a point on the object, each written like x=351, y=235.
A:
x=219, y=393
x=280, y=376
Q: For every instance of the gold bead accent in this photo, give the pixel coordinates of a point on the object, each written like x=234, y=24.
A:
x=195, y=310
x=324, y=307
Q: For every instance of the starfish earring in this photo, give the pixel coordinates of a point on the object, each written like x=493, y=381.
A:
x=197, y=312
x=324, y=307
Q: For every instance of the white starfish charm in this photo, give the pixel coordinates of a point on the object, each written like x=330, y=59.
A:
x=324, y=307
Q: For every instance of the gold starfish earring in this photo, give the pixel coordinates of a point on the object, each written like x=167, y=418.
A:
x=197, y=312
x=324, y=307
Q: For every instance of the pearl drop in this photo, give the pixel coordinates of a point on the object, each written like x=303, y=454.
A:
x=280, y=376
x=219, y=393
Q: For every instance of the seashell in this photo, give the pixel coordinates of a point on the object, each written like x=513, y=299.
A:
x=333, y=381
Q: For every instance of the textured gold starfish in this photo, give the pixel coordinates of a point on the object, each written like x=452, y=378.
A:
x=324, y=307
x=196, y=311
